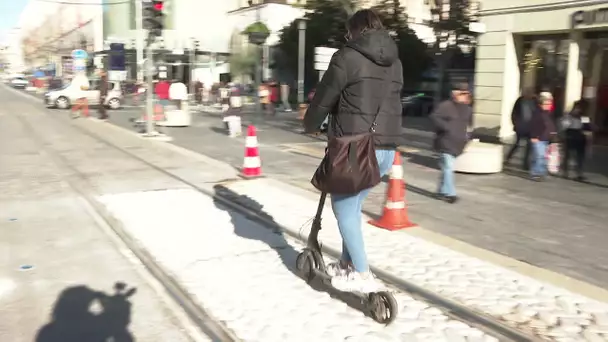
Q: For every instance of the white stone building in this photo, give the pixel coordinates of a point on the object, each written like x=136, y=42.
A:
x=543, y=45
x=49, y=31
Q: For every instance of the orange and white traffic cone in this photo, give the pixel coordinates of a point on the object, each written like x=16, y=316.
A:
x=394, y=216
x=252, y=164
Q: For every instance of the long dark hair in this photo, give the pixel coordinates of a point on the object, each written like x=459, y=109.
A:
x=362, y=21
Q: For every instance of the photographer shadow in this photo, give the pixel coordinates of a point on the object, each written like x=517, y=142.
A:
x=82, y=314
x=277, y=241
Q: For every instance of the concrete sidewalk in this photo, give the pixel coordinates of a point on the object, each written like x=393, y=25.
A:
x=520, y=300
x=59, y=268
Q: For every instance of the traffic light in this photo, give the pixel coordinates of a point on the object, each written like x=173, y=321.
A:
x=154, y=19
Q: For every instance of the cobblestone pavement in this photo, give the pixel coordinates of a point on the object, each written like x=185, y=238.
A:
x=244, y=274
x=556, y=225
x=237, y=270
x=57, y=266
x=521, y=301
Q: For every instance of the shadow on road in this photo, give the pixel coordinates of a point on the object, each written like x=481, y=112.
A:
x=412, y=188
x=422, y=160
x=276, y=241
x=82, y=314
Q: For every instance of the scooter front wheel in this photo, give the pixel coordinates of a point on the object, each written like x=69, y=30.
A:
x=382, y=307
x=305, y=264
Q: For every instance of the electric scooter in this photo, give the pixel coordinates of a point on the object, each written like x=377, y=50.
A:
x=382, y=306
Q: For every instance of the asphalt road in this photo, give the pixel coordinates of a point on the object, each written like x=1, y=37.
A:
x=558, y=225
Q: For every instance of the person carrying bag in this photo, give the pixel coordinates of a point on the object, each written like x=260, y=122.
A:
x=361, y=89
x=350, y=164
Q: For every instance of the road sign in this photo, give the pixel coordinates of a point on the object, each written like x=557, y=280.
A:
x=323, y=56
x=79, y=54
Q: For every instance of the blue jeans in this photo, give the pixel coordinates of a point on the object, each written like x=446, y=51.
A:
x=347, y=210
x=446, y=181
x=539, y=161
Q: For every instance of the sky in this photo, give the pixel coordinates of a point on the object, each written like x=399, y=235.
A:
x=9, y=14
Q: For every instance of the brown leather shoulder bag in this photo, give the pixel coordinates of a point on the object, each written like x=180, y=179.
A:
x=350, y=163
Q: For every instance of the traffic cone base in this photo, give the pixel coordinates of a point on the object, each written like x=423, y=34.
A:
x=394, y=216
x=390, y=221
x=252, y=164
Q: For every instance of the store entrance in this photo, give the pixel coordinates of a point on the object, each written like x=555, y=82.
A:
x=544, y=66
x=595, y=83
x=600, y=114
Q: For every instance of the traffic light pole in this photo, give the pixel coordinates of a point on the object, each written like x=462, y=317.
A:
x=150, y=131
x=139, y=40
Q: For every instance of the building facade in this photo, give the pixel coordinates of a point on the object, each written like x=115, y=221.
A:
x=50, y=31
x=13, y=55
x=542, y=45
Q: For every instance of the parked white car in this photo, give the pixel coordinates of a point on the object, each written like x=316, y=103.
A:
x=64, y=97
x=19, y=83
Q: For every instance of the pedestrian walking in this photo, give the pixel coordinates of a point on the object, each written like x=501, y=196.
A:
x=103, y=94
x=522, y=112
x=452, y=120
x=161, y=90
x=232, y=115
x=81, y=83
x=361, y=88
x=577, y=131
x=285, y=97
x=542, y=132
x=198, y=94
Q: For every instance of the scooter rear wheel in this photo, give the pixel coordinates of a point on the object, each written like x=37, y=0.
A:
x=382, y=307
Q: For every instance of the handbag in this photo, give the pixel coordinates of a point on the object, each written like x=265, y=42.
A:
x=553, y=158
x=350, y=164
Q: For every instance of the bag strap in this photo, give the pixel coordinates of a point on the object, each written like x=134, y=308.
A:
x=372, y=129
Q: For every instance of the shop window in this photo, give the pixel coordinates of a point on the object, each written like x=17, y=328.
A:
x=544, y=66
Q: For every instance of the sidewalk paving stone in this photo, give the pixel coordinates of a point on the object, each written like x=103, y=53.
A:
x=57, y=264
x=519, y=300
x=243, y=274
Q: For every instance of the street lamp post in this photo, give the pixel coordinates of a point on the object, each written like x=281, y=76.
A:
x=192, y=58
x=139, y=41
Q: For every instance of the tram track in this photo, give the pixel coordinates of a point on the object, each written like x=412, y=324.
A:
x=198, y=315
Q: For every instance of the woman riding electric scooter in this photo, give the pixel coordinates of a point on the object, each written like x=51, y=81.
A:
x=364, y=78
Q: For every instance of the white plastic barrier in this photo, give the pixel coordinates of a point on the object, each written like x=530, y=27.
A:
x=481, y=158
x=177, y=117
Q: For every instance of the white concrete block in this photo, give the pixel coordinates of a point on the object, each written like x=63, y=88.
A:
x=480, y=157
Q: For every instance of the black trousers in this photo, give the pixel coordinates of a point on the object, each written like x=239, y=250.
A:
x=102, y=108
x=575, y=146
x=527, y=147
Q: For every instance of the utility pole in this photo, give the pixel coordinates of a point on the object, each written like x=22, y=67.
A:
x=150, y=132
x=154, y=22
x=301, y=59
x=192, y=58
x=139, y=40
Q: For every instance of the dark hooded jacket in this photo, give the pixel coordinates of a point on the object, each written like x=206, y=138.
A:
x=365, y=77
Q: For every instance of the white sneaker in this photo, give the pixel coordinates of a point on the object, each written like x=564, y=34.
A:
x=335, y=269
x=357, y=282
